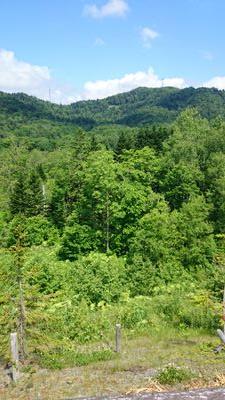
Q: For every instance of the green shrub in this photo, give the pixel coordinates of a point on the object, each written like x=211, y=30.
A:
x=35, y=230
x=97, y=277
x=186, y=305
x=172, y=375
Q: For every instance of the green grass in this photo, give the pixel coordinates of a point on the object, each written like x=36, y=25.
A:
x=176, y=359
x=69, y=359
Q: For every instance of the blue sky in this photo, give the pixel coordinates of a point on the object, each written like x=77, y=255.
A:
x=93, y=48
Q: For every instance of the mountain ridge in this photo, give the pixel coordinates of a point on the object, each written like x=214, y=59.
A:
x=138, y=107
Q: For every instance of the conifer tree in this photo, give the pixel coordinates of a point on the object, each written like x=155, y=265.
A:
x=26, y=287
x=27, y=195
x=18, y=196
x=123, y=143
x=35, y=198
x=57, y=206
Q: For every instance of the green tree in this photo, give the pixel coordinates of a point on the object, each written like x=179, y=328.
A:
x=179, y=182
x=97, y=277
x=35, y=195
x=197, y=245
x=77, y=239
x=27, y=195
x=57, y=205
x=18, y=197
x=215, y=192
x=152, y=136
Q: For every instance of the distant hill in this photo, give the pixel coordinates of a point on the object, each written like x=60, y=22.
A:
x=135, y=108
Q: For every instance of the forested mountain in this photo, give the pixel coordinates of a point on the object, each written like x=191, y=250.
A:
x=139, y=107
x=143, y=106
x=116, y=223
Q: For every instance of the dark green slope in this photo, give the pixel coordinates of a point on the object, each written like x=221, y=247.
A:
x=138, y=107
x=31, y=108
x=143, y=105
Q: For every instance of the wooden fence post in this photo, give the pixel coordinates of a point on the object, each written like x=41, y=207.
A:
x=221, y=335
x=118, y=338
x=224, y=309
x=15, y=356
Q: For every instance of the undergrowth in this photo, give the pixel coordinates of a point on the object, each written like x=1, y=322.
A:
x=172, y=375
x=69, y=359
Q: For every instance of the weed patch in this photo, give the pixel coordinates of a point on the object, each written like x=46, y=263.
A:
x=172, y=375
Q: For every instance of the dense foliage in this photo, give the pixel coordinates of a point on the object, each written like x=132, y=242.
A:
x=136, y=108
x=110, y=224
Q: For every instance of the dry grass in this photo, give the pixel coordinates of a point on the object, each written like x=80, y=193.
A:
x=133, y=372
x=154, y=386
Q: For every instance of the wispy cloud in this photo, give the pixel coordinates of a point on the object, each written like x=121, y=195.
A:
x=147, y=36
x=99, y=42
x=112, y=8
x=207, y=55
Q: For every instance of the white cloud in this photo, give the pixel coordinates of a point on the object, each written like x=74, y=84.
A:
x=216, y=82
x=148, y=35
x=20, y=76
x=16, y=75
x=112, y=8
x=35, y=80
x=99, y=42
x=103, y=88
